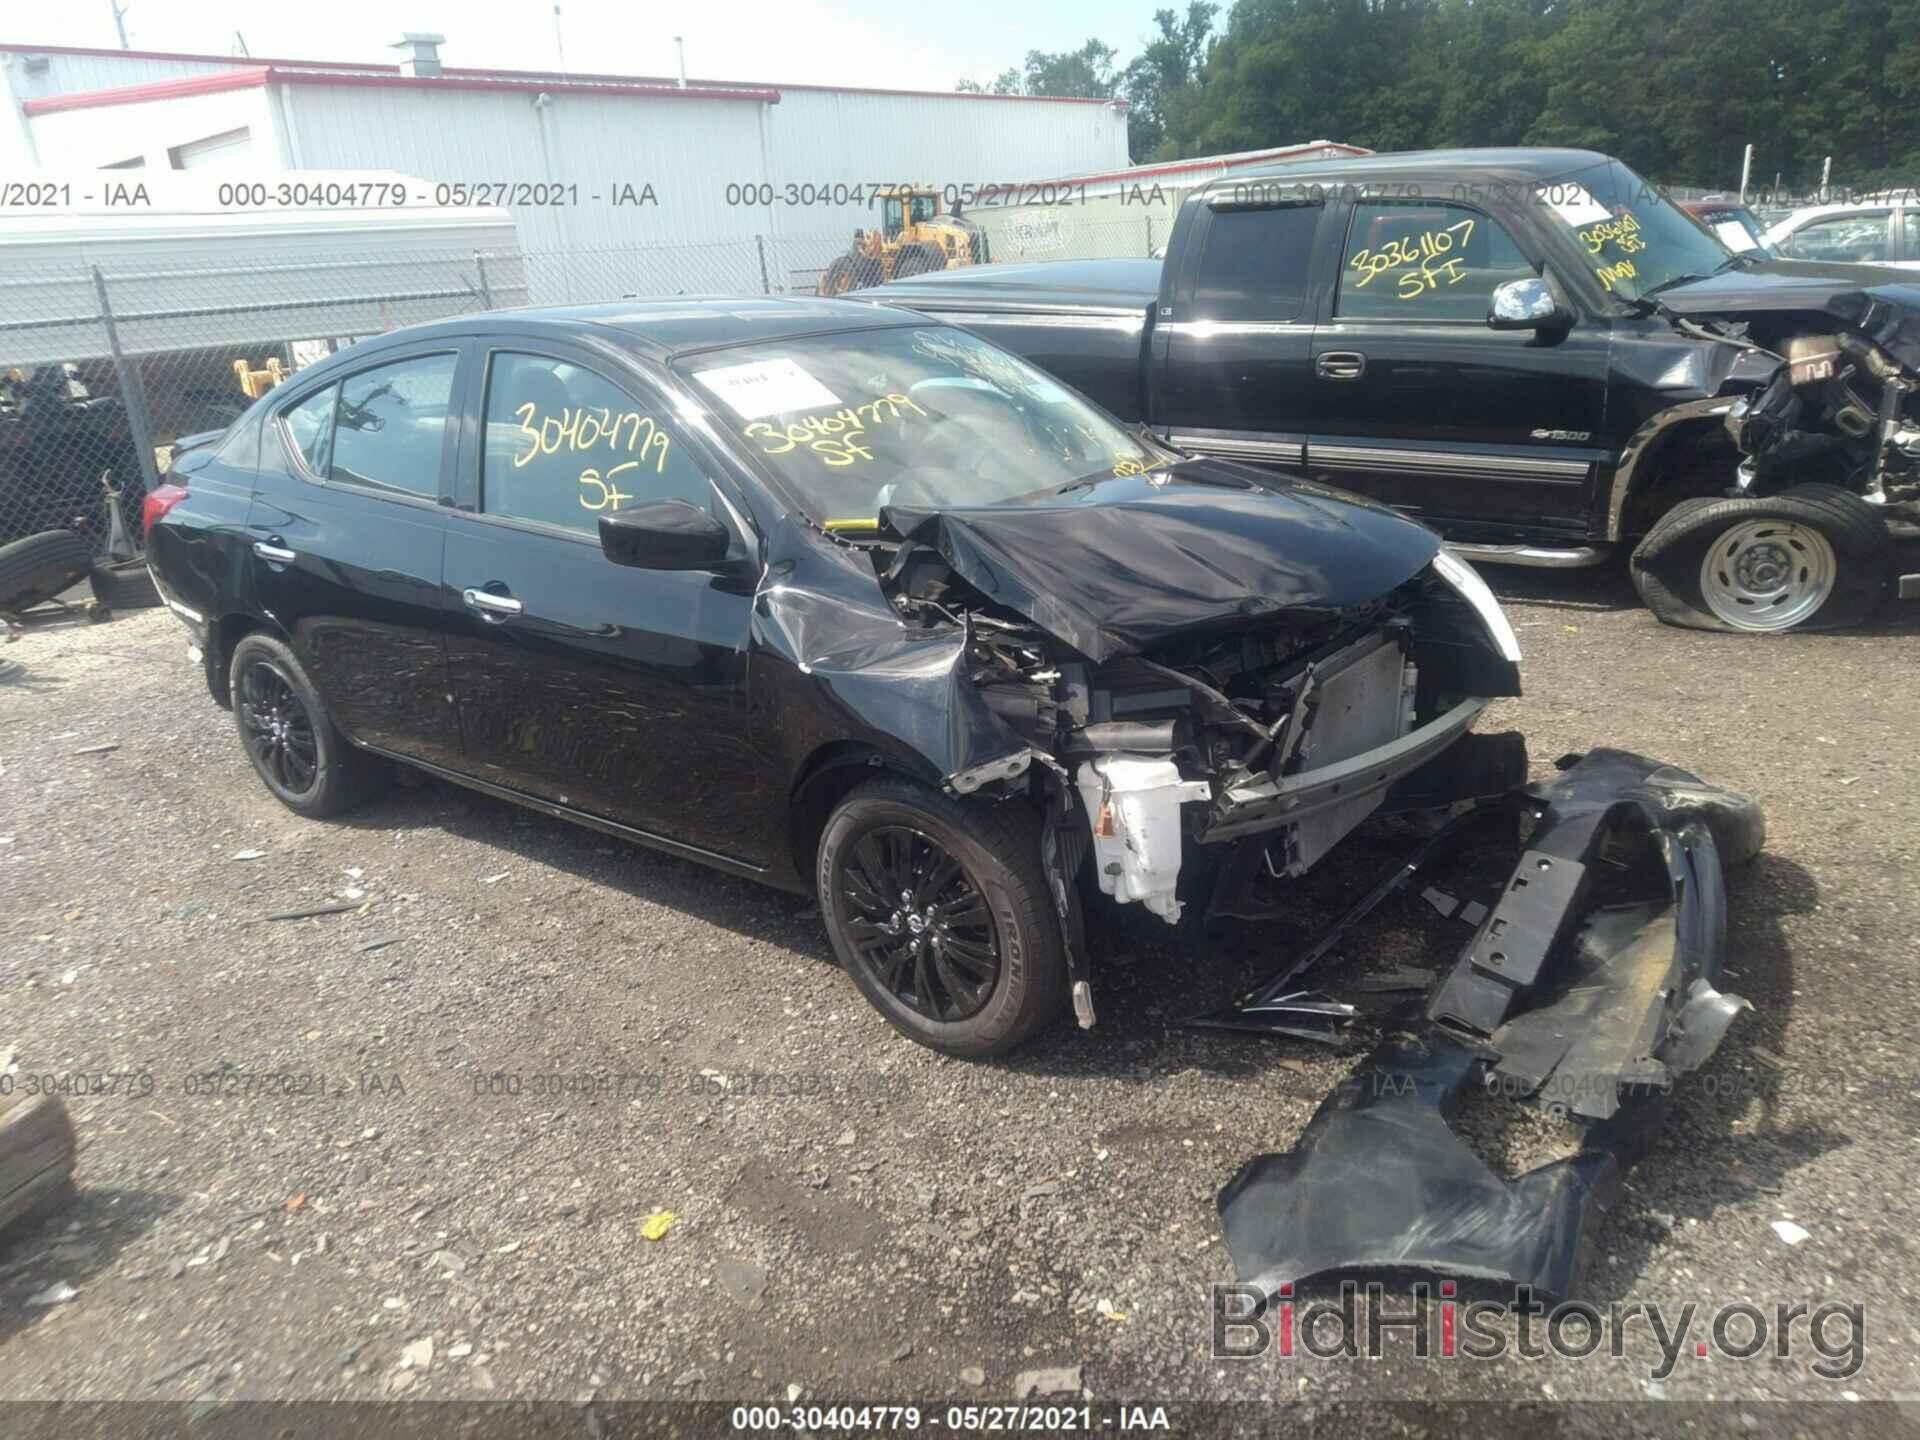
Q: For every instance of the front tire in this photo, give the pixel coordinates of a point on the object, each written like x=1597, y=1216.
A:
x=939, y=910
x=1815, y=557
x=295, y=748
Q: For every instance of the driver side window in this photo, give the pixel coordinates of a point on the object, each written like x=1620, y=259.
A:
x=565, y=445
x=1425, y=261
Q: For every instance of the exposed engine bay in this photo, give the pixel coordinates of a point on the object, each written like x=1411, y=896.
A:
x=1839, y=407
x=1285, y=731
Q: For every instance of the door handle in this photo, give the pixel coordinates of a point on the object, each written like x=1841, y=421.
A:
x=278, y=554
x=1340, y=365
x=491, y=606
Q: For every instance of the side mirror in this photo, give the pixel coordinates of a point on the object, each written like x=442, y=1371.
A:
x=664, y=535
x=1528, y=304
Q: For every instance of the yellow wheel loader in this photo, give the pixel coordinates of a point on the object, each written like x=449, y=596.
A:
x=916, y=235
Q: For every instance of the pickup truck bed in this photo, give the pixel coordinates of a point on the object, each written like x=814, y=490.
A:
x=1082, y=320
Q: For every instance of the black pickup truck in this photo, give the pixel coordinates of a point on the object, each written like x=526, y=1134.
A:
x=1534, y=351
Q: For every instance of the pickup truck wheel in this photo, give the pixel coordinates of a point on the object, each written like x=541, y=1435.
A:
x=301, y=757
x=939, y=910
x=1811, y=558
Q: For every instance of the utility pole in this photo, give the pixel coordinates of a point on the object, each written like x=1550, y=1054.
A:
x=120, y=21
x=1746, y=172
x=559, y=41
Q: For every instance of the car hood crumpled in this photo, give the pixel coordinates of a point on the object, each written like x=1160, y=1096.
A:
x=1878, y=302
x=1116, y=566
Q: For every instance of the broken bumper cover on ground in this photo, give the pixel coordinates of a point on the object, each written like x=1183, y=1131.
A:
x=1589, y=987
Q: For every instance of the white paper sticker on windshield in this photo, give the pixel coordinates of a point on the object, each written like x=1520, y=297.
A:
x=1575, y=204
x=766, y=387
x=1734, y=234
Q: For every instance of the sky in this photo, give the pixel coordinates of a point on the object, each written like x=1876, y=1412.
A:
x=852, y=42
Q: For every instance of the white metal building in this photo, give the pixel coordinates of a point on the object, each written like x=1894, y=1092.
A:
x=697, y=157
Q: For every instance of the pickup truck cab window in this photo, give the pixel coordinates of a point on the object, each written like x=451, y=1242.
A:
x=565, y=446
x=915, y=416
x=1424, y=260
x=1254, y=262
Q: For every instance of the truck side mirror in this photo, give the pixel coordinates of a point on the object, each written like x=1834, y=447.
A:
x=1528, y=304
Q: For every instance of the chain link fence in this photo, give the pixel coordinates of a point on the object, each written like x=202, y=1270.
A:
x=107, y=360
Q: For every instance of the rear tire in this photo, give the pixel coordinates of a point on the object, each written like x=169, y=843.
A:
x=902, y=865
x=126, y=585
x=299, y=755
x=1815, y=557
x=41, y=566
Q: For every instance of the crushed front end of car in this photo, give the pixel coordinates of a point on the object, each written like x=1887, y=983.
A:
x=1207, y=683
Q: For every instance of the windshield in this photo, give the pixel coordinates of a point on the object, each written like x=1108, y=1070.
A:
x=930, y=417
x=1735, y=225
x=1636, y=240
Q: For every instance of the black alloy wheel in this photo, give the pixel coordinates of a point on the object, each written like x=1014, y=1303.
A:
x=278, y=728
x=919, y=923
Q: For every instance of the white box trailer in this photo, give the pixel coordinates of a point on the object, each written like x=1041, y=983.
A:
x=72, y=283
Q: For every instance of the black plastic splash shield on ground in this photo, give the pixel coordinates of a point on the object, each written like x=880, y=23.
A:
x=1600, y=996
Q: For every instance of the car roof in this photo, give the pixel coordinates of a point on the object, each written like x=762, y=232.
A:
x=663, y=330
x=1496, y=164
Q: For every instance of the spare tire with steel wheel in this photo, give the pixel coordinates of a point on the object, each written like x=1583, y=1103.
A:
x=1814, y=557
x=125, y=585
x=306, y=762
x=939, y=910
x=36, y=1155
x=41, y=566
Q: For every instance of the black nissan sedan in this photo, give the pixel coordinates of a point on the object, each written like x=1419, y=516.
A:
x=835, y=596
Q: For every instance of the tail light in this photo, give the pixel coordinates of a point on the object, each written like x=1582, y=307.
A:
x=159, y=501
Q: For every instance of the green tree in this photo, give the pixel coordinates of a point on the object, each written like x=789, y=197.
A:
x=1159, y=77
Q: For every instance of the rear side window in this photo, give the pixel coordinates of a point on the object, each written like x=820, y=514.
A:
x=391, y=424
x=566, y=445
x=1253, y=263
x=1851, y=238
x=1428, y=261
x=310, y=425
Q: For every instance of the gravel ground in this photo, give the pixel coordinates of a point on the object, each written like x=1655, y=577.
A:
x=854, y=1216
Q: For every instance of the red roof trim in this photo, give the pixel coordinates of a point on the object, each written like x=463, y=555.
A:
x=450, y=81
x=152, y=90
x=778, y=84
x=262, y=75
x=549, y=79
x=245, y=61
x=1179, y=167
